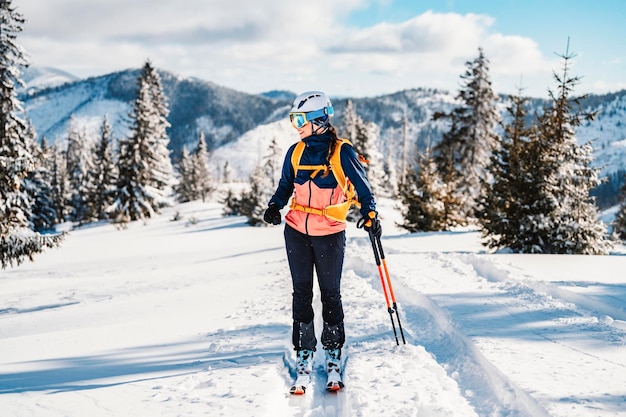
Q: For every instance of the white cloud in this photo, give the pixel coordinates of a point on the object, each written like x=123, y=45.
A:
x=426, y=33
x=510, y=55
x=275, y=44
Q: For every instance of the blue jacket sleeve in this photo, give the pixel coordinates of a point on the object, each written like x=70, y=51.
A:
x=285, y=184
x=355, y=172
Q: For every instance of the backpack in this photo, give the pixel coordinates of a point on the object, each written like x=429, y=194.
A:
x=337, y=212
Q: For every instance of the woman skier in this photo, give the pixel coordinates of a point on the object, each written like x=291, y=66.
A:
x=323, y=173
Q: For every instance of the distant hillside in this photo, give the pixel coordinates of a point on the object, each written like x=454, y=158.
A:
x=281, y=95
x=222, y=114
x=226, y=115
x=37, y=78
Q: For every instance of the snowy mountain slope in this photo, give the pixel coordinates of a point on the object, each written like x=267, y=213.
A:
x=37, y=78
x=221, y=113
x=84, y=101
x=247, y=152
x=225, y=115
x=192, y=317
x=607, y=133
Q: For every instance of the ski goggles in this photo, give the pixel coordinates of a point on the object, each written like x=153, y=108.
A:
x=299, y=120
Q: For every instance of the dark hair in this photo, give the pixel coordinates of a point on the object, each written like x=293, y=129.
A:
x=331, y=146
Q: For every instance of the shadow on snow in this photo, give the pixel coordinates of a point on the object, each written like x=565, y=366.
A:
x=145, y=363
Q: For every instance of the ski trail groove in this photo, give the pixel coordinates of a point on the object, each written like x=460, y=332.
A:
x=487, y=389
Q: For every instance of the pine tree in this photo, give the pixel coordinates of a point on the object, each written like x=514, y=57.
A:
x=565, y=219
x=508, y=201
x=350, y=121
x=144, y=168
x=619, y=224
x=227, y=173
x=427, y=202
x=161, y=163
x=262, y=185
x=253, y=201
x=391, y=174
x=79, y=164
x=59, y=182
x=367, y=145
x=17, y=240
x=185, y=188
x=471, y=138
x=365, y=139
x=103, y=174
x=38, y=186
x=195, y=181
x=446, y=157
x=201, y=172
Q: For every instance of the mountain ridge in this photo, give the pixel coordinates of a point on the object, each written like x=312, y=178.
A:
x=226, y=116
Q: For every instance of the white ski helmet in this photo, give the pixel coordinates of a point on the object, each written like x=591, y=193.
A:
x=311, y=101
x=312, y=106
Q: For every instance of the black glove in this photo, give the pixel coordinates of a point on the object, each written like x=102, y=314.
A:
x=272, y=214
x=371, y=224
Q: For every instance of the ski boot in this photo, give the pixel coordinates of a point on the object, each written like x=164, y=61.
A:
x=304, y=368
x=333, y=369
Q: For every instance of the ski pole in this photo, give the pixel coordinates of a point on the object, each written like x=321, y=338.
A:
x=382, y=283
x=393, y=297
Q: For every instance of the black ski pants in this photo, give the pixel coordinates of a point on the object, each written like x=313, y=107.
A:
x=325, y=254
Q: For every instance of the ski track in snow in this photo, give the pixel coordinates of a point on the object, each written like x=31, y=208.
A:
x=535, y=310
x=459, y=313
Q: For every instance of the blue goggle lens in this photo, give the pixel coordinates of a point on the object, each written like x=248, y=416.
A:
x=298, y=120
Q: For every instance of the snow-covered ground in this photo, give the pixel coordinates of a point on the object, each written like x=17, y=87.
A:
x=192, y=317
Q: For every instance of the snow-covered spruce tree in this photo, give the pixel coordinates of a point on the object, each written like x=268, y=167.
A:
x=447, y=162
x=227, y=173
x=427, y=202
x=194, y=176
x=420, y=202
x=162, y=169
x=59, y=182
x=144, y=167
x=202, y=179
x=253, y=201
x=184, y=188
x=391, y=172
x=366, y=143
x=79, y=163
x=365, y=138
x=102, y=174
x=619, y=224
x=232, y=203
x=350, y=121
x=567, y=221
x=509, y=201
x=17, y=241
x=38, y=186
x=472, y=136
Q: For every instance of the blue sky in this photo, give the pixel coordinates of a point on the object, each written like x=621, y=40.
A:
x=597, y=28
x=347, y=48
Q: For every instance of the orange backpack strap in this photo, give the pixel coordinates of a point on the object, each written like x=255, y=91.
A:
x=295, y=161
x=335, y=165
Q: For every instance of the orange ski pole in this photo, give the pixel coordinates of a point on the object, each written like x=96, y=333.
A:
x=377, y=256
x=393, y=297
